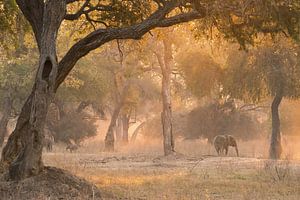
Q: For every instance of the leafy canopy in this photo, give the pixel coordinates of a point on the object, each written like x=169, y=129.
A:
x=269, y=70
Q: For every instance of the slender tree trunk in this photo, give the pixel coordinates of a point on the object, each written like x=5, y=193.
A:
x=110, y=138
x=7, y=108
x=275, y=146
x=120, y=93
x=119, y=128
x=165, y=63
x=125, y=120
x=23, y=153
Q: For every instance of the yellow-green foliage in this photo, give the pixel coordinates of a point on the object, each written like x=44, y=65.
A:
x=262, y=72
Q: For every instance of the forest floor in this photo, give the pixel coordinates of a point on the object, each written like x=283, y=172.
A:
x=140, y=173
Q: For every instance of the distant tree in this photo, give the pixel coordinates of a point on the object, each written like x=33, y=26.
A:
x=127, y=89
x=217, y=118
x=88, y=85
x=74, y=127
x=208, y=120
x=162, y=47
x=15, y=81
x=201, y=74
x=271, y=70
x=16, y=69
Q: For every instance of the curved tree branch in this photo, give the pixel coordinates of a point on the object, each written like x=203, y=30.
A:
x=80, y=12
x=86, y=9
x=102, y=36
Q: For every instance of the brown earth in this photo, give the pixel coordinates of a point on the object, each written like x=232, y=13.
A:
x=139, y=171
x=52, y=183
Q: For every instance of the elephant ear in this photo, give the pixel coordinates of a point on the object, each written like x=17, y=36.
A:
x=227, y=138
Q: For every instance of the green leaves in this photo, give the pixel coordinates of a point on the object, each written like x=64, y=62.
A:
x=243, y=21
x=116, y=13
x=16, y=77
x=13, y=27
x=201, y=73
x=266, y=71
x=126, y=12
x=90, y=81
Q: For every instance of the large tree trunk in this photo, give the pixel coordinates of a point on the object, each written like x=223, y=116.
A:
x=165, y=63
x=275, y=146
x=7, y=108
x=23, y=152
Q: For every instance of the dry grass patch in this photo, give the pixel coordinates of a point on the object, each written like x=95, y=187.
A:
x=147, y=177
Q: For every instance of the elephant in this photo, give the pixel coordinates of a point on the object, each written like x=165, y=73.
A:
x=222, y=142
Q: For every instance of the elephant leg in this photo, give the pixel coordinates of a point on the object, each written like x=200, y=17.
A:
x=226, y=150
x=222, y=151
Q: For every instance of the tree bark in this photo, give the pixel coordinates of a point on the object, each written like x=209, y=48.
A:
x=109, y=138
x=165, y=63
x=125, y=123
x=119, y=128
x=23, y=153
x=7, y=108
x=275, y=146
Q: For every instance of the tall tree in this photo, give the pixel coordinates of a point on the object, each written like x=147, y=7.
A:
x=271, y=70
x=22, y=154
x=166, y=62
x=127, y=89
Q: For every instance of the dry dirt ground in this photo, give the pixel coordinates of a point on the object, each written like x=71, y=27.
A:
x=52, y=183
x=139, y=171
